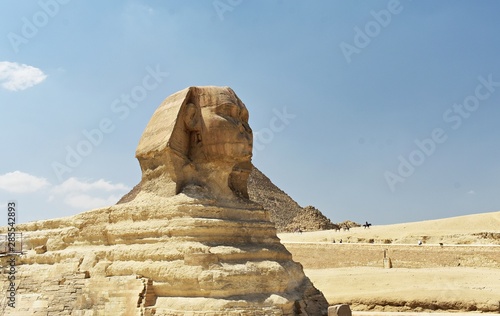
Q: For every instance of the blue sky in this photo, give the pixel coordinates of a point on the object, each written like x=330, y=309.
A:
x=385, y=111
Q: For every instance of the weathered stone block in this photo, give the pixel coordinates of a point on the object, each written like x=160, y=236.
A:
x=339, y=310
x=41, y=249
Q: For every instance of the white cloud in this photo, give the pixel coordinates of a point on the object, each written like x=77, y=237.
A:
x=85, y=195
x=471, y=192
x=75, y=185
x=78, y=194
x=87, y=202
x=15, y=77
x=20, y=182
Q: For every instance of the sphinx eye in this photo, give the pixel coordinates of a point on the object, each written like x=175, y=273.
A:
x=228, y=110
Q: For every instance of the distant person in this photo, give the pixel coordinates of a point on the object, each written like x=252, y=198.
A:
x=340, y=241
x=420, y=243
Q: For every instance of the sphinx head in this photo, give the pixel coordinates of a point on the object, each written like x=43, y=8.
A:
x=198, y=136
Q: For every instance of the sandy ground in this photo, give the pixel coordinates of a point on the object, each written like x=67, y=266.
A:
x=397, y=289
x=462, y=275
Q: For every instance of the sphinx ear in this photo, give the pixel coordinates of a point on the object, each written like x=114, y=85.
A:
x=192, y=117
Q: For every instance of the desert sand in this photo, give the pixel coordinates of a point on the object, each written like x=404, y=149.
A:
x=481, y=228
x=461, y=275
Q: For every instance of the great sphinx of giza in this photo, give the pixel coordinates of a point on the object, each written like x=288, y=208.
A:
x=186, y=241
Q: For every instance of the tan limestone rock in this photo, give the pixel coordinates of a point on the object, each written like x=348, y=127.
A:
x=339, y=310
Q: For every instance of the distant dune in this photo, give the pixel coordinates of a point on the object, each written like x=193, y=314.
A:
x=481, y=228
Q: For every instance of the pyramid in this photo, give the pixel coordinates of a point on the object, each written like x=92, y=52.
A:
x=311, y=219
x=282, y=208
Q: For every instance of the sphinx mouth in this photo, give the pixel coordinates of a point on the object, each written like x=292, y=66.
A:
x=249, y=156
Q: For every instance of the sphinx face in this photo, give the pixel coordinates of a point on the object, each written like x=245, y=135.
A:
x=226, y=134
x=198, y=136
